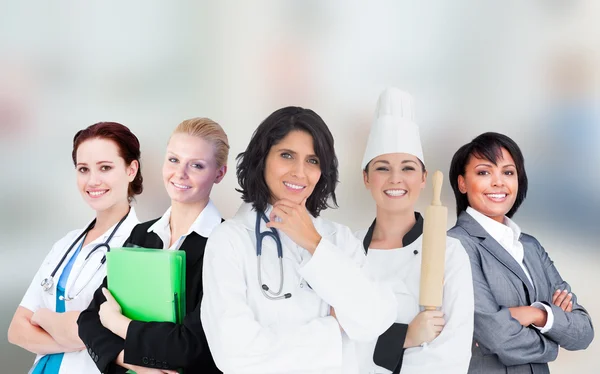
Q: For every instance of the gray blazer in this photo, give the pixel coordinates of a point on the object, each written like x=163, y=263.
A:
x=503, y=345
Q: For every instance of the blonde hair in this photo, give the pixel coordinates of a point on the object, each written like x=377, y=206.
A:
x=210, y=131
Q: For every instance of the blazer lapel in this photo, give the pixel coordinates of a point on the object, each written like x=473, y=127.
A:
x=495, y=249
x=537, y=273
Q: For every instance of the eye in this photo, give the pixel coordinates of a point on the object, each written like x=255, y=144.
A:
x=172, y=159
x=286, y=155
x=105, y=167
x=382, y=168
x=408, y=168
x=509, y=172
x=82, y=169
x=482, y=172
x=198, y=166
x=314, y=161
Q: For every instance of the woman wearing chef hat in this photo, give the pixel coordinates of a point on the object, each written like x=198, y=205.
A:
x=394, y=172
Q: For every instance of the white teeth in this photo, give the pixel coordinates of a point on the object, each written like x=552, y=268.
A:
x=395, y=192
x=181, y=186
x=293, y=186
x=96, y=193
x=497, y=195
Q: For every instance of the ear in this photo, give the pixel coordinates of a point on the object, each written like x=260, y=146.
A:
x=132, y=170
x=366, y=179
x=221, y=174
x=424, y=182
x=462, y=185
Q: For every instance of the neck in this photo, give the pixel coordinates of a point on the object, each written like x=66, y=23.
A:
x=111, y=216
x=182, y=217
x=391, y=227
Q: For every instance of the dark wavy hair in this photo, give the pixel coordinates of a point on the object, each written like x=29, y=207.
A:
x=251, y=162
x=488, y=146
x=127, y=143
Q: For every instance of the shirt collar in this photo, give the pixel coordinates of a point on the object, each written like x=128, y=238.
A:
x=500, y=232
x=203, y=225
x=409, y=238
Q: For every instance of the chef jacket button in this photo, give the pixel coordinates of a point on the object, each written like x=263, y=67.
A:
x=301, y=285
x=165, y=365
x=145, y=360
x=152, y=362
x=96, y=358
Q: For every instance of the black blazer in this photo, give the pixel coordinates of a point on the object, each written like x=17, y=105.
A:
x=154, y=344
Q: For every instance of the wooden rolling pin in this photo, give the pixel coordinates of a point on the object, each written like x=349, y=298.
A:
x=434, y=249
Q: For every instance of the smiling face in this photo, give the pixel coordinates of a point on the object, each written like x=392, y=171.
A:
x=190, y=169
x=292, y=170
x=491, y=189
x=395, y=181
x=102, y=176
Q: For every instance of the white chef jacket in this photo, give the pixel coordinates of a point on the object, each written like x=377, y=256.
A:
x=36, y=298
x=450, y=352
x=248, y=333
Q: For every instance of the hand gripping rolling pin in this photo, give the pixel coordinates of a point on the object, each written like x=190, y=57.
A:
x=434, y=249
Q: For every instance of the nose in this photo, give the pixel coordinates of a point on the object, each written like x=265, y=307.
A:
x=299, y=169
x=181, y=171
x=396, y=177
x=497, y=179
x=95, y=179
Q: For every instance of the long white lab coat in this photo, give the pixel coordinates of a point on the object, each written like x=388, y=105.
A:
x=36, y=298
x=450, y=352
x=247, y=333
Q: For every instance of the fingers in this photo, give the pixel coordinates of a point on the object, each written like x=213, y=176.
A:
x=560, y=298
x=569, y=307
x=433, y=313
x=565, y=304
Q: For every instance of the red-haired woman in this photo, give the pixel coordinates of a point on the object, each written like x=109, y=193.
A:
x=107, y=163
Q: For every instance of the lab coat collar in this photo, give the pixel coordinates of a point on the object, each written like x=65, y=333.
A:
x=203, y=225
x=122, y=233
x=409, y=238
x=246, y=215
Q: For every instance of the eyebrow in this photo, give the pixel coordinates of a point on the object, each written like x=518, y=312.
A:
x=171, y=153
x=387, y=162
x=490, y=165
x=97, y=163
x=294, y=152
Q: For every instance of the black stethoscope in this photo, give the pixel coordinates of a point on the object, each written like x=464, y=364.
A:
x=48, y=283
x=261, y=216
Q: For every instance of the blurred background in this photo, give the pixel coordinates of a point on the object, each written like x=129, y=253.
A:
x=529, y=69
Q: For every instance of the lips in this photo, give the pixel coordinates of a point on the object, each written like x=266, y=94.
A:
x=293, y=186
x=181, y=186
x=496, y=197
x=96, y=193
x=395, y=192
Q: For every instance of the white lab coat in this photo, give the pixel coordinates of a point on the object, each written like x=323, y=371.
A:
x=450, y=352
x=247, y=333
x=36, y=298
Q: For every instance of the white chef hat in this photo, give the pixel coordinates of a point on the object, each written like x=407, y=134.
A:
x=394, y=129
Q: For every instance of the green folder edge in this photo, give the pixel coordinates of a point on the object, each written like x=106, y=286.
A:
x=177, y=265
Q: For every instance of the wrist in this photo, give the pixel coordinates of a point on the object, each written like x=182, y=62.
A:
x=541, y=317
x=314, y=243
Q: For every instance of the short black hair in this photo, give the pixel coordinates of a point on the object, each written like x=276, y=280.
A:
x=251, y=162
x=489, y=146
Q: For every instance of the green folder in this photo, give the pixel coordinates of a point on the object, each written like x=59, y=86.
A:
x=148, y=284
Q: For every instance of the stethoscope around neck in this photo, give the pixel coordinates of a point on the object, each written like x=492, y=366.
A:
x=261, y=216
x=48, y=283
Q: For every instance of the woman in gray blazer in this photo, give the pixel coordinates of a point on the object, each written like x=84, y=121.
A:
x=524, y=310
